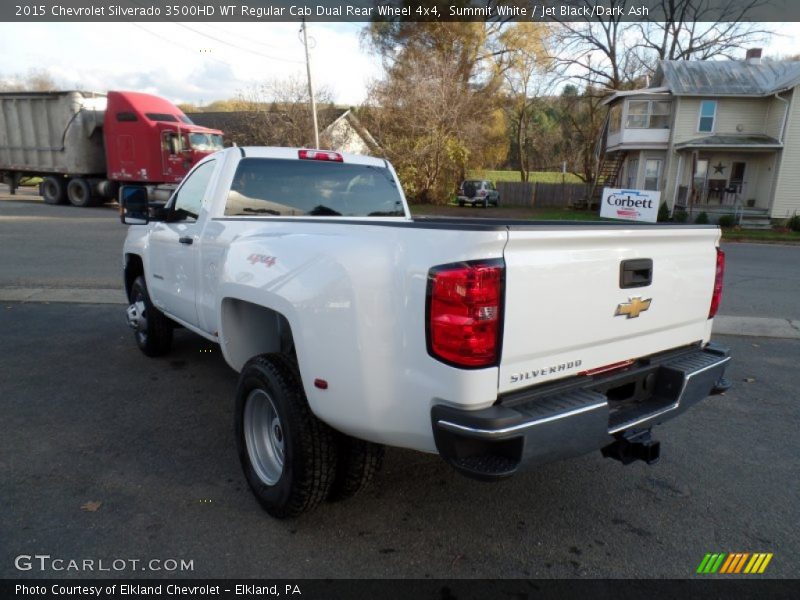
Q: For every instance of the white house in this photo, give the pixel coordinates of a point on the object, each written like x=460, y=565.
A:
x=717, y=136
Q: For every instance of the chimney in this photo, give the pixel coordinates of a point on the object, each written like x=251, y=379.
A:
x=753, y=56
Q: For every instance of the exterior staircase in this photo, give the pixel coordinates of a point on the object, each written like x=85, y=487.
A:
x=607, y=175
x=755, y=219
x=748, y=218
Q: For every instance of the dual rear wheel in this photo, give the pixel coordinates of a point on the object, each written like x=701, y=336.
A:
x=77, y=191
x=292, y=461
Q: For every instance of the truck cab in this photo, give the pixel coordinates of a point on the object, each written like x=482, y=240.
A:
x=150, y=140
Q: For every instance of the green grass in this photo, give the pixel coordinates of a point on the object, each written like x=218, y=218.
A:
x=760, y=235
x=533, y=176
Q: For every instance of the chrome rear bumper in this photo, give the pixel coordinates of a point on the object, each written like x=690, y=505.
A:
x=544, y=424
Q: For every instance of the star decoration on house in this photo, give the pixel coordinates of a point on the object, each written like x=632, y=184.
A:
x=719, y=168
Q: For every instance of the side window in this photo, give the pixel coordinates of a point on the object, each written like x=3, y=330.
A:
x=633, y=173
x=652, y=174
x=189, y=198
x=708, y=112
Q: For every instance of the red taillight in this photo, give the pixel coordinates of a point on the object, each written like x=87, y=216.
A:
x=320, y=155
x=465, y=304
x=716, y=297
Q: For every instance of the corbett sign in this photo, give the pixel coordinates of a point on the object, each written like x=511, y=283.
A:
x=631, y=205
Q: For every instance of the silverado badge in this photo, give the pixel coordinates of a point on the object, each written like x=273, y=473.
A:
x=632, y=308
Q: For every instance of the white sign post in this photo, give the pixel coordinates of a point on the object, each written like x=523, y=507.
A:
x=630, y=205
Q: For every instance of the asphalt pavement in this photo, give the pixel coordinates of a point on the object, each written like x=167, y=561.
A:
x=106, y=454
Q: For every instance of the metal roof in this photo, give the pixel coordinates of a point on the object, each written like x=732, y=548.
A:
x=651, y=91
x=727, y=77
x=744, y=142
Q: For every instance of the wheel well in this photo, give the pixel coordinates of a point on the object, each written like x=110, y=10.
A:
x=247, y=330
x=133, y=268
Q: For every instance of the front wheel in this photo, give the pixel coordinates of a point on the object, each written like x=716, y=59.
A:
x=288, y=455
x=151, y=328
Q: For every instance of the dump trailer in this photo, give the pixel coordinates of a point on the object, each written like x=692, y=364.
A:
x=84, y=144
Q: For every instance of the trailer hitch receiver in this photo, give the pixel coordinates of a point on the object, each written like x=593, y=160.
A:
x=627, y=450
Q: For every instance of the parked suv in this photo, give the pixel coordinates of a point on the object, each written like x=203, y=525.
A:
x=478, y=192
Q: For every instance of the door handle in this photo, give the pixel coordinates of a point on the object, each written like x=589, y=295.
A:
x=635, y=273
x=187, y=239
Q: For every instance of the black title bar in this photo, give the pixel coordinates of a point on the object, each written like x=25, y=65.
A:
x=402, y=10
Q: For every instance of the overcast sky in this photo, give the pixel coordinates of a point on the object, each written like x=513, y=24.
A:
x=202, y=62
x=188, y=62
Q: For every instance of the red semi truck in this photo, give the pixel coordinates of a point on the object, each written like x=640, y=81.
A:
x=84, y=144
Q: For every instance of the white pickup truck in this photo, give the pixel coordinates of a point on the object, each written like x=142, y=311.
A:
x=496, y=344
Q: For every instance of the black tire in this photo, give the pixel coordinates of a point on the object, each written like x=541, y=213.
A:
x=152, y=329
x=79, y=193
x=54, y=190
x=461, y=203
x=307, y=467
x=358, y=461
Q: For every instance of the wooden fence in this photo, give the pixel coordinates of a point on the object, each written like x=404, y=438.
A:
x=541, y=195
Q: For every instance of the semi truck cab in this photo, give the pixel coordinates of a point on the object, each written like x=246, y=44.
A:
x=150, y=140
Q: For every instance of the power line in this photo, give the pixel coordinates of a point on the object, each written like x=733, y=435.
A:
x=238, y=47
x=232, y=45
x=178, y=44
x=246, y=39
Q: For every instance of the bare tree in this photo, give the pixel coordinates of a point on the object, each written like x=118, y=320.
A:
x=615, y=53
x=700, y=30
x=276, y=113
x=35, y=80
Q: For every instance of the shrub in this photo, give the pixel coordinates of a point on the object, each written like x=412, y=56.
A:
x=663, y=213
x=702, y=218
x=794, y=223
x=726, y=221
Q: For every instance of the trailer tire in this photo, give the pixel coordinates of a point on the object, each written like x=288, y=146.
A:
x=79, y=193
x=287, y=454
x=358, y=461
x=54, y=190
x=152, y=329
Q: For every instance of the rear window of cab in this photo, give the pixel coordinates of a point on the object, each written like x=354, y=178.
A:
x=303, y=188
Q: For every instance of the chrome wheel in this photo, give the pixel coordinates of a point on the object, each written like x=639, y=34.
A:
x=137, y=316
x=264, y=436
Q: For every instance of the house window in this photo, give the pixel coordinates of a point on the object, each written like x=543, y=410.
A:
x=632, y=172
x=660, y=112
x=637, y=114
x=708, y=112
x=652, y=174
x=648, y=114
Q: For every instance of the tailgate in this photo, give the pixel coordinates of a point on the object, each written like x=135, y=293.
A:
x=563, y=292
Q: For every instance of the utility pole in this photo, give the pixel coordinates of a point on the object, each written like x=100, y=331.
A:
x=311, y=87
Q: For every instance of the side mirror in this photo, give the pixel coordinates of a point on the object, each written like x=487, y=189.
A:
x=134, y=205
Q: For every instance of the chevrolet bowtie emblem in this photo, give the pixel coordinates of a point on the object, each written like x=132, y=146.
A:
x=633, y=308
